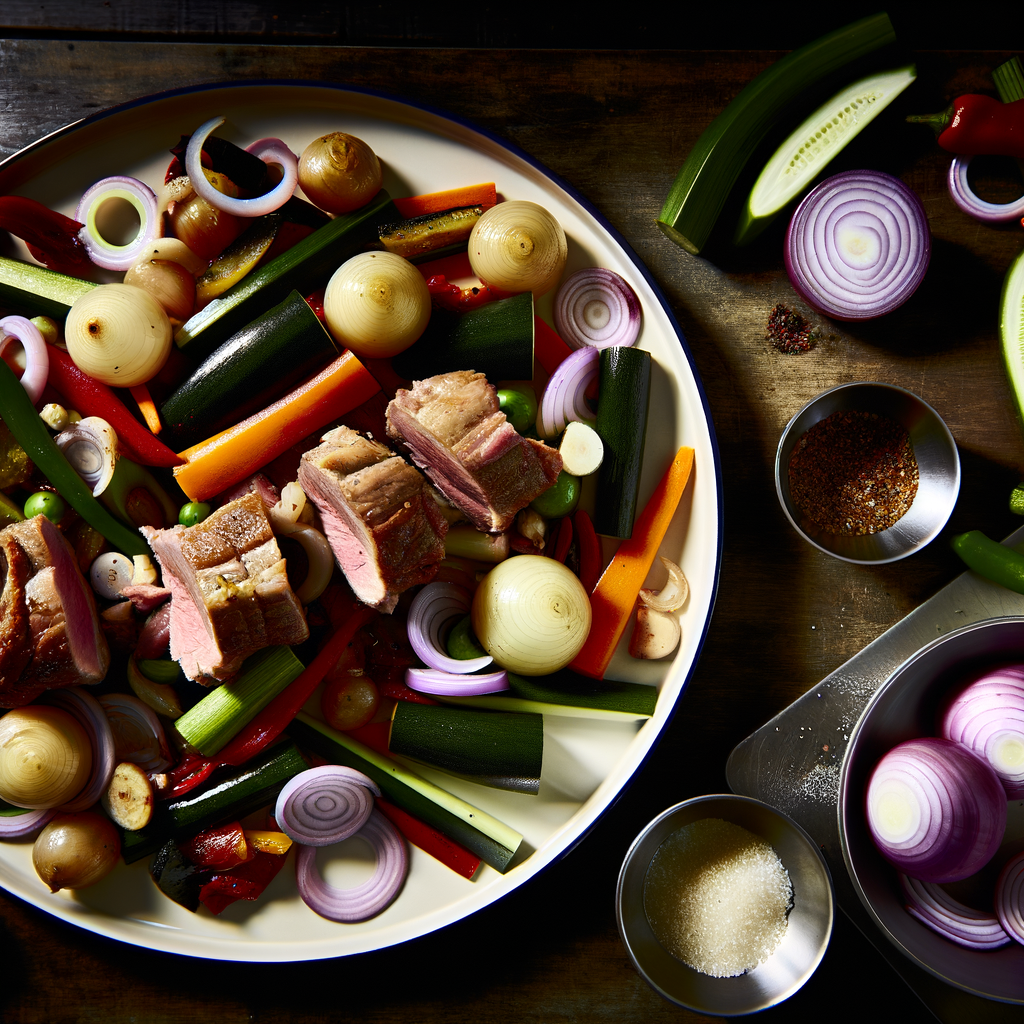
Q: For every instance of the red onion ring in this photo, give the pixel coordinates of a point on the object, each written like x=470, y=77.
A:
x=268, y=150
x=361, y=901
x=89, y=713
x=935, y=908
x=119, y=186
x=964, y=196
x=17, y=826
x=325, y=805
x=37, y=359
x=935, y=809
x=988, y=716
x=596, y=307
x=138, y=735
x=564, y=398
x=447, y=684
x=433, y=611
x=1010, y=898
x=858, y=245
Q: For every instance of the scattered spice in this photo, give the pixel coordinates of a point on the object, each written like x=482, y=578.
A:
x=788, y=331
x=854, y=473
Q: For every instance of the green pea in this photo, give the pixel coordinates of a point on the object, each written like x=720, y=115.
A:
x=192, y=513
x=560, y=499
x=46, y=503
x=519, y=404
x=462, y=642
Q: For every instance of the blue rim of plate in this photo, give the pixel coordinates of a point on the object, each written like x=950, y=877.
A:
x=605, y=225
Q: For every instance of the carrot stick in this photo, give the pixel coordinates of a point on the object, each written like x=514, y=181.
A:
x=230, y=456
x=548, y=347
x=616, y=592
x=147, y=407
x=435, y=202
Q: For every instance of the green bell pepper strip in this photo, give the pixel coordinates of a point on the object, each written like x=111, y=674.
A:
x=31, y=433
x=992, y=560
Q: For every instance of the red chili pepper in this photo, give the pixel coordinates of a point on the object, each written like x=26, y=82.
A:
x=91, y=397
x=51, y=237
x=975, y=125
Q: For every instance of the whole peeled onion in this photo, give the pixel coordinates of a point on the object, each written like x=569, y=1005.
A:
x=339, y=172
x=74, y=851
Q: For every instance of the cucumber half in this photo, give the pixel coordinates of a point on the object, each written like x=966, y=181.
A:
x=808, y=150
x=1011, y=330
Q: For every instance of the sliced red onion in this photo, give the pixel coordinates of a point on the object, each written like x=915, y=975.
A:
x=268, y=150
x=448, y=684
x=138, y=735
x=1010, y=898
x=325, y=805
x=965, y=197
x=37, y=359
x=17, y=826
x=858, y=245
x=596, y=307
x=564, y=398
x=934, y=907
x=89, y=713
x=119, y=186
x=361, y=901
x=988, y=716
x=935, y=809
x=434, y=610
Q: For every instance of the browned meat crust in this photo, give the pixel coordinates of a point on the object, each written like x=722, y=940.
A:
x=459, y=437
x=230, y=594
x=386, y=531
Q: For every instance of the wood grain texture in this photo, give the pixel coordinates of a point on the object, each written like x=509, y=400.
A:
x=616, y=125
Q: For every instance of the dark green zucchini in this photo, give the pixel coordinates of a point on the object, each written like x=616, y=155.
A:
x=491, y=840
x=38, y=291
x=177, y=877
x=230, y=797
x=262, y=362
x=503, y=750
x=623, y=395
x=495, y=340
x=306, y=266
x=423, y=236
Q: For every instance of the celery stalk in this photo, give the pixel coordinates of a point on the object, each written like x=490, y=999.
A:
x=222, y=713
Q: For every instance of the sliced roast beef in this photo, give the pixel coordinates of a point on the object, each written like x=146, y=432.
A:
x=459, y=437
x=386, y=531
x=230, y=594
x=51, y=633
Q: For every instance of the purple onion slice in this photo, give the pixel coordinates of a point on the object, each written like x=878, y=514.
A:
x=564, y=397
x=858, y=245
x=37, y=357
x=432, y=613
x=139, y=195
x=449, y=684
x=597, y=307
x=1010, y=898
x=19, y=824
x=325, y=805
x=964, y=197
x=935, y=908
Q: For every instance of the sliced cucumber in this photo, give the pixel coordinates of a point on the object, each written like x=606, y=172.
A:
x=39, y=291
x=1011, y=330
x=808, y=150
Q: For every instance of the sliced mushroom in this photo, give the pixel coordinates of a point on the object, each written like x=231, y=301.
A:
x=655, y=635
x=673, y=595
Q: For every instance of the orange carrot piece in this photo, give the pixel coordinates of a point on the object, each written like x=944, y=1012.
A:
x=230, y=456
x=612, y=601
x=147, y=407
x=436, y=202
x=548, y=348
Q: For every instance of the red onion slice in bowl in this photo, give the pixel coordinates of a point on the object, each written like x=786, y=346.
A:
x=936, y=909
x=858, y=245
x=1010, y=898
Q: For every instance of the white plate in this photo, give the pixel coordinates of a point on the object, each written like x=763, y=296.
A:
x=587, y=764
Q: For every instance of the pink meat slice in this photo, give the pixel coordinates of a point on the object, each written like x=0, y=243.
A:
x=384, y=527
x=47, y=611
x=230, y=594
x=457, y=434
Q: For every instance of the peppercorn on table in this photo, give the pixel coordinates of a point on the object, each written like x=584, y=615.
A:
x=615, y=124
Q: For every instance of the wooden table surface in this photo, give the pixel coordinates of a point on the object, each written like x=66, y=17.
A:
x=616, y=125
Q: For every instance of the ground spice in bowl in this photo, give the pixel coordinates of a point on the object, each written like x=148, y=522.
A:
x=854, y=473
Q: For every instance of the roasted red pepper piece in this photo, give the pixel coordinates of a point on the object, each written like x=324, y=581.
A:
x=975, y=125
x=224, y=847
x=51, y=237
x=90, y=397
x=561, y=549
x=428, y=839
x=245, y=882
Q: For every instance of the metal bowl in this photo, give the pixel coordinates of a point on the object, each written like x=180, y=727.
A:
x=907, y=706
x=807, y=934
x=937, y=459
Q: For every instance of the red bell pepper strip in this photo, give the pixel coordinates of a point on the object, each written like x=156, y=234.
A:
x=51, y=237
x=429, y=840
x=589, y=549
x=975, y=125
x=548, y=347
x=90, y=397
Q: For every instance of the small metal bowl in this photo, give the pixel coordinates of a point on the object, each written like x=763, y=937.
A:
x=938, y=465
x=807, y=934
x=904, y=707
